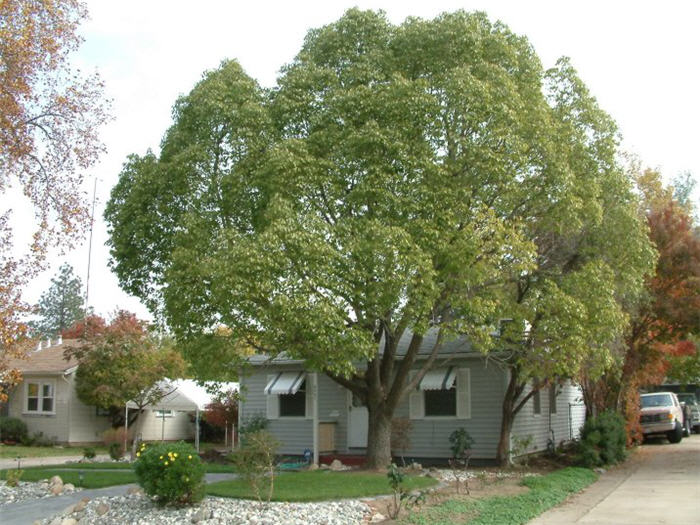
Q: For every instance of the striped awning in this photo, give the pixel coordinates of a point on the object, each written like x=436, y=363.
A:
x=285, y=383
x=439, y=379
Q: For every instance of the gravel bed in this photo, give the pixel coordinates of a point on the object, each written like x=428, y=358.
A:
x=447, y=475
x=28, y=490
x=133, y=509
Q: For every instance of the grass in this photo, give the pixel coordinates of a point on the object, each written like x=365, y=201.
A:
x=91, y=479
x=318, y=486
x=12, y=451
x=545, y=492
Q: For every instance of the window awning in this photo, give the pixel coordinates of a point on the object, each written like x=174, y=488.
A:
x=285, y=383
x=439, y=379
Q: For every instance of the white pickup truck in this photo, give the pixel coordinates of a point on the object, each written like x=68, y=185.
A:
x=662, y=414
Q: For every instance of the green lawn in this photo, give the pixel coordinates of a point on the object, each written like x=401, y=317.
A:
x=319, y=485
x=545, y=492
x=91, y=479
x=12, y=451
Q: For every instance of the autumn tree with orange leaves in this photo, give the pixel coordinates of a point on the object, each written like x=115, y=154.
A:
x=663, y=328
x=50, y=115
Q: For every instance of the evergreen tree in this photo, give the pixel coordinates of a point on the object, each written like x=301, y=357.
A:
x=61, y=305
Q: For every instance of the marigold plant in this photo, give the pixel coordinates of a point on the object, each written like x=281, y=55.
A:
x=171, y=472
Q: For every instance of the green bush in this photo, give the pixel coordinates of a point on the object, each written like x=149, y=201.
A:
x=13, y=477
x=255, y=462
x=173, y=473
x=253, y=423
x=12, y=429
x=603, y=440
x=116, y=451
x=89, y=453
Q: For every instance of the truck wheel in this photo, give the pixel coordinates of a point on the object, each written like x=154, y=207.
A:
x=675, y=436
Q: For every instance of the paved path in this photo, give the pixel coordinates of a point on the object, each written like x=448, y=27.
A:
x=52, y=460
x=28, y=511
x=659, y=484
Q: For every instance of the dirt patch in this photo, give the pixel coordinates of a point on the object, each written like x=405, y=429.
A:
x=482, y=487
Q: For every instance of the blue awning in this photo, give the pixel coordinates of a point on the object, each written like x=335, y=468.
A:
x=285, y=383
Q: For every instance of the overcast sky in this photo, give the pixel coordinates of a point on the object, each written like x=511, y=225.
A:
x=640, y=59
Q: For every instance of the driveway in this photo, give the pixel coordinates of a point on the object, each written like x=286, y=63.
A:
x=659, y=484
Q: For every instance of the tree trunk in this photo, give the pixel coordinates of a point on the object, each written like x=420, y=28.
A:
x=507, y=416
x=378, y=438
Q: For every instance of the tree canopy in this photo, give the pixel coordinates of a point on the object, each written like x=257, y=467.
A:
x=61, y=305
x=122, y=361
x=397, y=179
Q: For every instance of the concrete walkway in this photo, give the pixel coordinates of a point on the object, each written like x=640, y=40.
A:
x=51, y=460
x=659, y=484
x=28, y=511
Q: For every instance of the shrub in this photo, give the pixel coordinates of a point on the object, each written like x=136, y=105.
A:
x=116, y=451
x=13, y=477
x=255, y=461
x=12, y=429
x=89, y=453
x=603, y=440
x=114, y=438
x=173, y=473
x=252, y=424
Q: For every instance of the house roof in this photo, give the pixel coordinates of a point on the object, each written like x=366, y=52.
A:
x=175, y=400
x=47, y=361
x=460, y=345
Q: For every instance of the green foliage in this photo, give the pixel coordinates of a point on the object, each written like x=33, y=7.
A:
x=12, y=429
x=320, y=485
x=61, y=305
x=255, y=462
x=251, y=424
x=116, y=451
x=172, y=473
x=545, y=492
x=461, y=443
x=12, y=477
x=89, y=453
x=401, y=496
x=603, y=440
x=521, y=444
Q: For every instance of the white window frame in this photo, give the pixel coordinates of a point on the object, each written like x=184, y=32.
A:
x=40, y=397
x=272, y=401
x=160, y=414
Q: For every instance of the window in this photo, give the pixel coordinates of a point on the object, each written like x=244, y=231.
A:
x=536, y=401
x=293, y=405
x=40, y=397
x=553, y=399
x=164, y=413
x=441, y=402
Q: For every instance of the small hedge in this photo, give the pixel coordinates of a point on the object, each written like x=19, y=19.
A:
x=12, y=429
x=603, y=440
x=172, y=473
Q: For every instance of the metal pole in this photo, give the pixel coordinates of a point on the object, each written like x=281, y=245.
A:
x=314, y=392
x=196, y=435
x=126, y=426
x=162, y=426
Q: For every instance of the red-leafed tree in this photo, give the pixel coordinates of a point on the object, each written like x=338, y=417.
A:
x=222, y=412
x=662, y=328
x=90, y=327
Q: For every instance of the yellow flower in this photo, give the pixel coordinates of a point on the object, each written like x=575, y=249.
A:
x=189, y=457
x=166, y=463
x=186, y=478
x=160, y=457
x=175, y=454
x=138, y=454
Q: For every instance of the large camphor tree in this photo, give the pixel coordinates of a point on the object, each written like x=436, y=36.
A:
x=396, y=179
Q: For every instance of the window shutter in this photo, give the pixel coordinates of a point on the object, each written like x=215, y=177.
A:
x=464, y=394
x=310, y=393
x=273, y=404
x=416, y=406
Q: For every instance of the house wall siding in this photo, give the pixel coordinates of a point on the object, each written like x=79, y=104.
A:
x=53, y=426
x=85, y=425
x=151, y=427
x=429, y=436
x=565, y=424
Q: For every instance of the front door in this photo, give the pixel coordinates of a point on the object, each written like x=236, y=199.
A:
x=358, y=422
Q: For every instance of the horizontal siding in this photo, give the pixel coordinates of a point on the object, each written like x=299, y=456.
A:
x=151, y=427
x=85, y=425
x=54, y=426
x=430, y=436
x=562, y=426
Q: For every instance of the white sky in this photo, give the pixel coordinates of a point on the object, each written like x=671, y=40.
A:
x=640, y=59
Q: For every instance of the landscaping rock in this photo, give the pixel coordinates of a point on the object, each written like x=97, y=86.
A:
x=337, y=465
x=134, y=491
x=313, y=466
x=68, y=487
x=56, y=489
x=80, y=506
x=69, y=521
x=56, y=480
x=68, y=510
x=201, y=515
x=102, y=509
x=56, y=521
x=377, y=518
x=599, y=470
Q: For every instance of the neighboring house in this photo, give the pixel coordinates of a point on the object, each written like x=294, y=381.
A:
x=464, y=389
x=47, y=402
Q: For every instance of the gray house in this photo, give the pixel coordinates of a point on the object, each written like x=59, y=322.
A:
x=308, y=410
